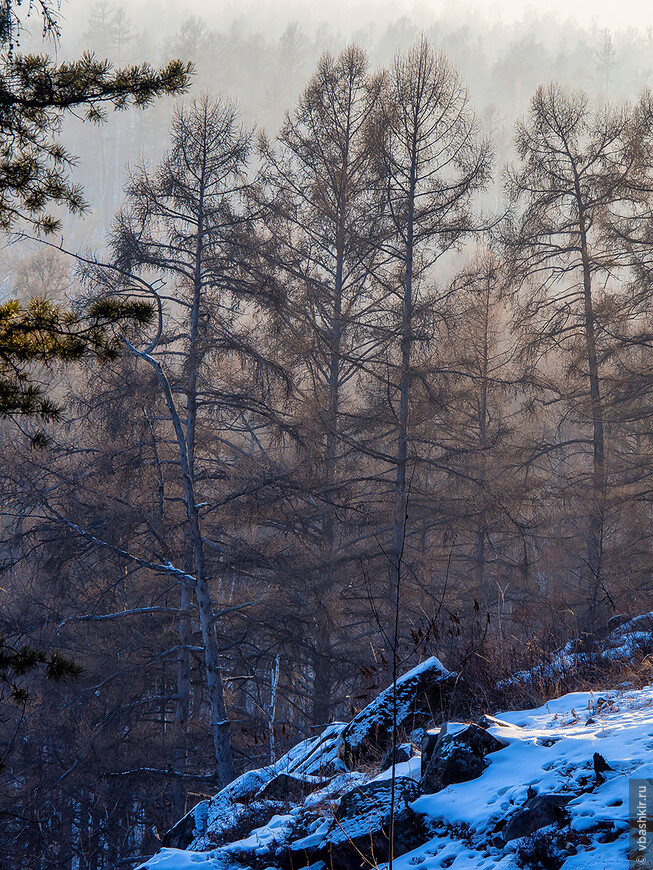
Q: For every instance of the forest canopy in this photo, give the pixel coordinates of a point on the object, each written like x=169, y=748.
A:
x=357, y=372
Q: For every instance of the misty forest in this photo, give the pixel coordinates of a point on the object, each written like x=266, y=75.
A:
x=329, y=351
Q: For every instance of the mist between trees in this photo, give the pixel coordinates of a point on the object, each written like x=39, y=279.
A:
x=394, y=402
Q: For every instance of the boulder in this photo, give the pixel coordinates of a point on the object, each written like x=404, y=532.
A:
x=373, y=799
x=600, y=767
x=537, y=812
x=429, y=739
x=486, y=721
x=421, y=694
x=457, y=755
x=359, y=835
x=616, y=622
x=403, y=753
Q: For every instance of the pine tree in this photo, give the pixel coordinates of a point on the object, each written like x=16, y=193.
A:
x=36, y=93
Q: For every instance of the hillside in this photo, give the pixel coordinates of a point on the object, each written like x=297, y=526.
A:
x=540, y=788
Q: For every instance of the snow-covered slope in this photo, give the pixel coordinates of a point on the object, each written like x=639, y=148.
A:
x=552, y=792
x=550, y=751
x=627, y=640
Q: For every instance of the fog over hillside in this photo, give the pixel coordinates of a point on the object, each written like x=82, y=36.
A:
x=271, y=16
x=261, y=55
x=347, y=367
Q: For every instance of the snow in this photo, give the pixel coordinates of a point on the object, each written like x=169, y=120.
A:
x=274, y=830
x=410, y=768
x=178, y=859
x=548, y=750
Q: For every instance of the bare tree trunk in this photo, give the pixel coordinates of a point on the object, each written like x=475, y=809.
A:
x=219, y=723
x=272, y=708
x=401, y=458
x=186, y=444
x=322, y=672
x=479, y=555
x=597, y=500
x=182, y=708
x=182, y=702
x=481, y=529
x=322, y=667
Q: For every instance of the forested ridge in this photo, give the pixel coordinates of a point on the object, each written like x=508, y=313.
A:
x=387, y=396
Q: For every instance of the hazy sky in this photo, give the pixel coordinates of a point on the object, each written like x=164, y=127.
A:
x=347, y=15
x=608, y=13
x=615, y=14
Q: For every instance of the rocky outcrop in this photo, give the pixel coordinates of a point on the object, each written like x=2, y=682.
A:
x=320, y=773
x=182, y=834
x=359, y=833
x=188, y=828
x=422, y=695
x=467, y=792
x=621, y=640
x=372, y=800
x=289, y=788
x=456, y=755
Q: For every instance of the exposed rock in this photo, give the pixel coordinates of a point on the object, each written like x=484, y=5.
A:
x=255, y=797
x=643, y=622
x=621, y=640
x=246, y=802
x=373, y=799
x=486, y=721
x=403, y=753
x=429, y=739
x=616, y=621
x=333, y=768
x=359, y=833
x=363, y=850
x=181, y=835
x=600, y=767
x=285, y=787
x=421, y=694
x=192, y=825
x=537, y=812
x=457, y=755
x=548, y=741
